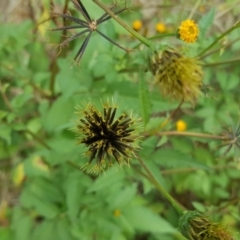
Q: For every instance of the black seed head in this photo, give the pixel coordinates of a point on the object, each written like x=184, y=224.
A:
x=107, y=136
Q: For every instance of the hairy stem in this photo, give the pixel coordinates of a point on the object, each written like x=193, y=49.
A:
x=192, y=134
x=176, y=205
x=37, y=139
x=219, y=49
x=221, y=63
x=219, y=38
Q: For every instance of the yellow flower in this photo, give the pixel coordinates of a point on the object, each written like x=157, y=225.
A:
x=117, y=213
x=181, y=126
x=137, y=25
x=160, y=27
x=188, y=31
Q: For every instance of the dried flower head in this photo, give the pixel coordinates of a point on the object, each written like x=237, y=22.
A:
x=188, y=31
x=87, y=24
x=107, y=137
x=160, y=27
x=194, y=226
x=178, y=77
x=231, y=140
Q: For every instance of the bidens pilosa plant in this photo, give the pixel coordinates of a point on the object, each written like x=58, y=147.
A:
x=158, y=162
x=179, y=78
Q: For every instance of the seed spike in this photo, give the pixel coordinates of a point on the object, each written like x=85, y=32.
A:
x=83, y=48
x=76, y=20
x=67, y=27
x=106, y=17
x=111, y=41
x=113, y=115
x=82, y=9
x=74, y=37
x=108, y=115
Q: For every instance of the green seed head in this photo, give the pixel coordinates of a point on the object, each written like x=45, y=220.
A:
x=195, y=226
x=178, y=77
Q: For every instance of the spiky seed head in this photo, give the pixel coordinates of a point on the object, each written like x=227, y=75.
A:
x=107, y=136
x=194, y=226
x=178, y=77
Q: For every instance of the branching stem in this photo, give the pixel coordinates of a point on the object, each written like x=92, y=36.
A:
x=217, y=39
x=142, y=39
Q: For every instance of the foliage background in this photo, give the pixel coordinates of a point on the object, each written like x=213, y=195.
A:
x=43, y=194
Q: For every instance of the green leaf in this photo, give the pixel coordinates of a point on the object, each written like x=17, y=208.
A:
x=206, y=22
x=6, y=233
x=43, y=196
x=143, y=219
x=3, y=114
x=74, y=191
x=144, y=97
x=39, y=52
x=174, y=158
x=63, y=229
x=103, y=65
x=106, y=180
x=21, y=224
x=148, y=146
x=21, y=99
x=199, y=206
x=35, y=167
x=58, y=115
x=45, y=230
x=69, y=81
x=125, y=196
x=5, y=133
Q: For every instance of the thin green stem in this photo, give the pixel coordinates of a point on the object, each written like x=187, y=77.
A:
x=166, y=121
x=219, y=38
x=192, y=134
x=221, y=63
x=197, y=4
x=176, y=205
x=73, y=164
x=38, y=139
x=218, y=49
x=142, y=39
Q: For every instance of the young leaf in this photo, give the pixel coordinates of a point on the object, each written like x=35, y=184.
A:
x=174, y=158
x=141, y=218
x=206, y=22
x=144, y=97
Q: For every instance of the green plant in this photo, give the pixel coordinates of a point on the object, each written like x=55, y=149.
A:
x=45, y=194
